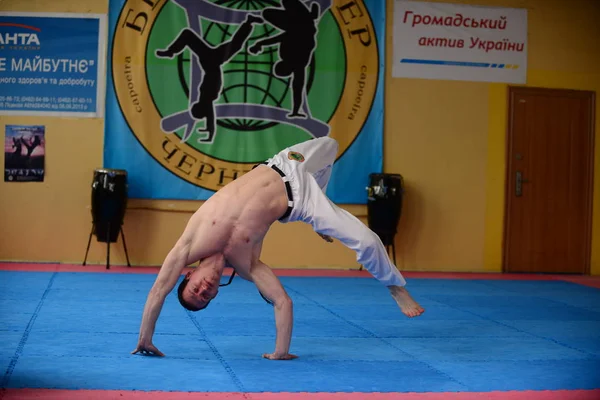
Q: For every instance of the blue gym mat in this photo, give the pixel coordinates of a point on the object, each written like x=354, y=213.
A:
x=76, y=331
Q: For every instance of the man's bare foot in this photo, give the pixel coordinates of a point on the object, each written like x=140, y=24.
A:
x=407, y=304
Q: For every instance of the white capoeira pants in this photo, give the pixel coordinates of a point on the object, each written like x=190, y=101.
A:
x=307, y=167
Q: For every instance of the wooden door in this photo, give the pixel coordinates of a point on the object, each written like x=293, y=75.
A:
x=550, y=158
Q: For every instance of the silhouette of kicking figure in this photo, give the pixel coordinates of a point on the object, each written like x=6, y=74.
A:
x=17, y=155
x=211, y=60
x=33, y=143
x=17, y=145
x=297, y=43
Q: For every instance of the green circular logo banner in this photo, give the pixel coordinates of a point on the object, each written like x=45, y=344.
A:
x=205, y=89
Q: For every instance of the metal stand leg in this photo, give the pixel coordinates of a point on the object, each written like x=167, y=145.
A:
x=390, y=242
x=108, y=247
x=88, y=245
x=125, y=247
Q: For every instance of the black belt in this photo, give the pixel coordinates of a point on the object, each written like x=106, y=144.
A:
x=288, y=189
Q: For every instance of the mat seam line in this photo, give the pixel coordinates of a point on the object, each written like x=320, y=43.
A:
x=21, y=345
x=558, y=279
x=533, y=360
x=375, y=336
x=546, y=299
x=221, y=359
x=100, y=333
x=590, y=356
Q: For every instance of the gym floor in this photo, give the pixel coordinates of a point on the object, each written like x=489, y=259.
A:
x=67, y=332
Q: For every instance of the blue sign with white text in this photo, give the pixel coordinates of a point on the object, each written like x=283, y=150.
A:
x=49, y=64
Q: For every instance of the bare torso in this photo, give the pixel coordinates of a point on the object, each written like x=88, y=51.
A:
x=236, y=218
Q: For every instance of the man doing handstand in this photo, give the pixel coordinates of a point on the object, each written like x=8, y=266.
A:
x=229, y=228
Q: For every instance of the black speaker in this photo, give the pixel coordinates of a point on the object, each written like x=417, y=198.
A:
x=384, y=206
x=109, y=202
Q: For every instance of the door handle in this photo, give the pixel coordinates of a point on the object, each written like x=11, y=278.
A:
x=519, y=184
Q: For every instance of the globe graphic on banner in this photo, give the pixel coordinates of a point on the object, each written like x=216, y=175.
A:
x=210, y=88
x=247, y=78
x=255, y=102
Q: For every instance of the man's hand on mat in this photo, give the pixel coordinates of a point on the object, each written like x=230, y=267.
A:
x=275, y=356
x=147, y=350
x=327, y=238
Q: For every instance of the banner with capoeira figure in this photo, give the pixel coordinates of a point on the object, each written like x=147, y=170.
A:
x=24, y=153
x=199, y=91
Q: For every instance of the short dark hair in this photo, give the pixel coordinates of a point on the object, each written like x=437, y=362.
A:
x=182, y=301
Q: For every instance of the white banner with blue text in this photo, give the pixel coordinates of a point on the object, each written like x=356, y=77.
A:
x=459, y=42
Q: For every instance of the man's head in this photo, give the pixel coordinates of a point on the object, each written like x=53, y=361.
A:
x=200, y=286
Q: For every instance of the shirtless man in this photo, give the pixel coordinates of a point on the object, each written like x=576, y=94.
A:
x=229, y=228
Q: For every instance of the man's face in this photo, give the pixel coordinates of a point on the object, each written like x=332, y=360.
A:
x=202, y=287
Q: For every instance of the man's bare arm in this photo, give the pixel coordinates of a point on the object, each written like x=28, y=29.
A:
x=164, y=284
x=270, y=286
